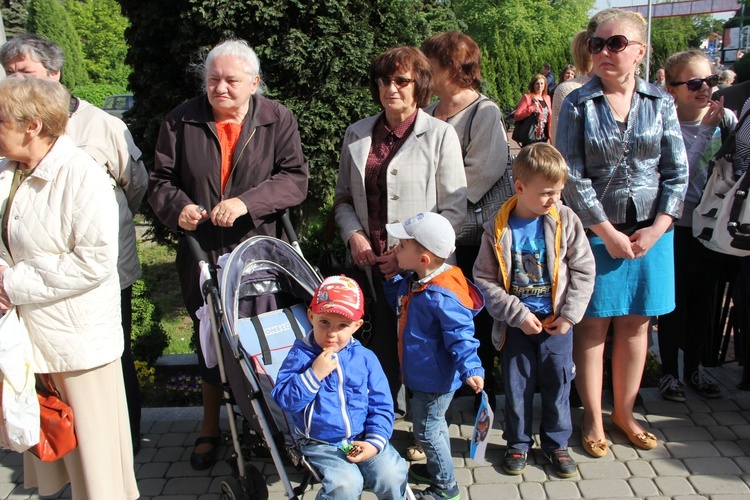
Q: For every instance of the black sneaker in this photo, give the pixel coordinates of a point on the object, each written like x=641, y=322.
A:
x=436, y=493
x=562, y=463
x=514, y=461
x=672, y=389
x=419, y=473
x=703, y=386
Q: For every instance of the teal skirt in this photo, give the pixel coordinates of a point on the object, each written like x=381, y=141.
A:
x=643, y=287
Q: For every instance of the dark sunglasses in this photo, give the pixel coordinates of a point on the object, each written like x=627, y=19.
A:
x=695, y=84
x=615, y=43
x=400, y=81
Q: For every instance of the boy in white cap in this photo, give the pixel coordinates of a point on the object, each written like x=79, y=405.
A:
x=340, y=398
x=435, y=305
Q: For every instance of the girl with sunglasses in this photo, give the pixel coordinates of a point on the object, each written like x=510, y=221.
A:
x=704, y=122
x=628, y=173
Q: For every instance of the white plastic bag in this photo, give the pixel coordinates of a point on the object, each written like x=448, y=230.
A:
x=20, y=407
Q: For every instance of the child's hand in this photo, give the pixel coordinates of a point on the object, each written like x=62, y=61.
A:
x=476, y=382
x=531, y=325
x=325, y=363
x=559, y=326
x=368, y=451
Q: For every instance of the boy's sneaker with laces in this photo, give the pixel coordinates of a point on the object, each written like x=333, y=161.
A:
x=562, y=463
x=437, y=493
x=514, y=461
x=419, y=473
x=672, y=389
x=703, y=386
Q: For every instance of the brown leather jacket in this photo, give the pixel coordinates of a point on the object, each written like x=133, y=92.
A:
x=269, y=175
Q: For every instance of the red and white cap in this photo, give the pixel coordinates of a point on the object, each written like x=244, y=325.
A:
x=339, y=295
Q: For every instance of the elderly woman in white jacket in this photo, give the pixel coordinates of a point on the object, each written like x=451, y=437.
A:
x=60, y=227
x=394, y=165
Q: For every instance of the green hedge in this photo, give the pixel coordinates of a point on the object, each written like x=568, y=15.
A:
x=95, y=93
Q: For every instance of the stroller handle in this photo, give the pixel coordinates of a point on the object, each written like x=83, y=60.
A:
x=208, y=273
x=286, y=223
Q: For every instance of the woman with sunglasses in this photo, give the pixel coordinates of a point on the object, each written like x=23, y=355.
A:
x=579, y=49
x=535, y=104
x=628, y=174
x=393, y=165
x=704, y=122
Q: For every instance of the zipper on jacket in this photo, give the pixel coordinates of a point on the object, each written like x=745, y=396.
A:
x=342, y=399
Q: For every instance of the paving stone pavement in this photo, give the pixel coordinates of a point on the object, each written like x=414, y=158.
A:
x=703, y=452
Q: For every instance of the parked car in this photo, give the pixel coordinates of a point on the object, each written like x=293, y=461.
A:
x=117, y=105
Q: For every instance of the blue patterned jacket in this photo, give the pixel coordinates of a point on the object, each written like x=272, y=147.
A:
x=655, y=171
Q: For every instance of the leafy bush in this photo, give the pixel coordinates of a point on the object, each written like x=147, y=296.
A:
x=95, y=93
x=48, y=18
x=149, y=338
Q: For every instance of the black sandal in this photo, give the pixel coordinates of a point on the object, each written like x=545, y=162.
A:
x=202, y=461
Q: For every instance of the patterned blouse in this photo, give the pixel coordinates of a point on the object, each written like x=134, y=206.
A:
x=653, y=176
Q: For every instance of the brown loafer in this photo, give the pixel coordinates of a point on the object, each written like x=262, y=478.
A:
x=596, y=449
x=643, y=440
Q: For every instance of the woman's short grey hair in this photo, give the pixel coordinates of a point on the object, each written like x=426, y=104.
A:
x=233, y=48
x=727, y=75
x=48, y=53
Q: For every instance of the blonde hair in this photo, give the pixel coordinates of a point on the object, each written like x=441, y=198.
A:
x=26, y=100
x=677, y=62
x=542, y=159
x=634, y=20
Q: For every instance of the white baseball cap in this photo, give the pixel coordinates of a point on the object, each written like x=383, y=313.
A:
x=431, y=230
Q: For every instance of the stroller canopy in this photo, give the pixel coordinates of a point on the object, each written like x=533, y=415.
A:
x=259, y=267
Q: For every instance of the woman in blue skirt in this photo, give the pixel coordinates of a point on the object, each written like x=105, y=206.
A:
x=628, y=176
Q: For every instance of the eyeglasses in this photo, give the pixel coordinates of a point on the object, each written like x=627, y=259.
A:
x=399, y=81
x=695, y=84
x=615, y=43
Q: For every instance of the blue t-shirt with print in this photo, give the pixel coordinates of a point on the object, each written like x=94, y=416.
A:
x=530, y=280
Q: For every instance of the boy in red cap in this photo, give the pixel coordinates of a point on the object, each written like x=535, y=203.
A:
x=340, y=399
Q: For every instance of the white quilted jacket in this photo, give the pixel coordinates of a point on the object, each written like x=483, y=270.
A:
x=62, y=236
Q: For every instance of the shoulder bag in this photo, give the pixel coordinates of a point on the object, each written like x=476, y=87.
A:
x=57, y=437
x=470, y=232
x=524, y=131
x=721, y=221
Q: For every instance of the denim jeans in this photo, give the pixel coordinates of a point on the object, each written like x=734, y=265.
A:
x=431, y=430
x=385, y=473
x=547, y=360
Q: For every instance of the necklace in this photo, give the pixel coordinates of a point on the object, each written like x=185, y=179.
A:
x=614, y=110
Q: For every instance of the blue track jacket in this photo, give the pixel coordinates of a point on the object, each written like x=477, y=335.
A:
x=352, y=403
x=437, y=348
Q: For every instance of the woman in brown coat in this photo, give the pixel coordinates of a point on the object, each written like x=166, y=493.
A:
x=228, y=164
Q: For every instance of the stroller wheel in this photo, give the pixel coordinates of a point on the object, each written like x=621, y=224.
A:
x=252, y=488
x=231, y=489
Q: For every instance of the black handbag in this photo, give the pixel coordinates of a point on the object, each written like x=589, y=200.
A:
x=470, y=232
x=524, y=132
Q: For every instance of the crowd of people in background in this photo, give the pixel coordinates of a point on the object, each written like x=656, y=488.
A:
x=595, y=243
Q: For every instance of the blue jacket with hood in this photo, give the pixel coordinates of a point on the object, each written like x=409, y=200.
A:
x=353, y=403
x=437, y=348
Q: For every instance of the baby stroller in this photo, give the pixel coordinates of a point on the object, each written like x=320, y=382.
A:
x=269, y=275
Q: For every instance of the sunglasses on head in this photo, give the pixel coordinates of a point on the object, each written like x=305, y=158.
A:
x=615, y=43
x=695, y=84
x=399, y=81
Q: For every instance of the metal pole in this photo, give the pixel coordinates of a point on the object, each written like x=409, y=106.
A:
x=648, y=41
